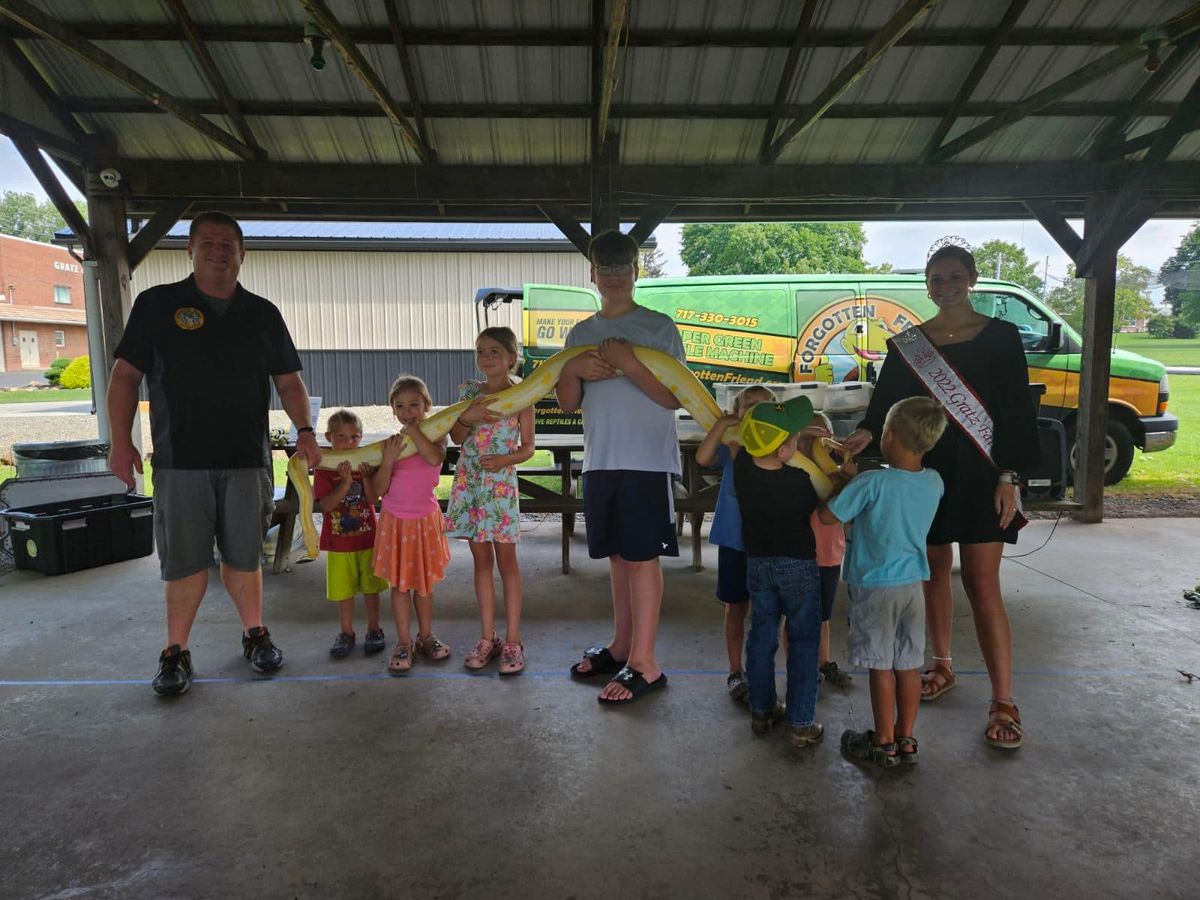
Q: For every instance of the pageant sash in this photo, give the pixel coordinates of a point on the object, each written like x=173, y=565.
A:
x=960, y=401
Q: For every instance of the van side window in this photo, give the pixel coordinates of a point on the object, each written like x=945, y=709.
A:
x=1031, y=322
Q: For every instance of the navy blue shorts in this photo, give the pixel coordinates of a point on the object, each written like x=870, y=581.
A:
x=731, y=576
x=830, y=576
x=629, y=514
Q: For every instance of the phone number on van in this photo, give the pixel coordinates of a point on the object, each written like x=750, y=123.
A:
x=716, y=318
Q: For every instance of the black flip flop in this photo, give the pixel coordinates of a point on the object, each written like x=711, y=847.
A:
x=632, y=681
x=602, y=661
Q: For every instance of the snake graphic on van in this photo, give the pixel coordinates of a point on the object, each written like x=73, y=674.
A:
x=678, y=378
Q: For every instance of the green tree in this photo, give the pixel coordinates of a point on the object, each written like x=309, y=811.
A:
x=1131, y=301
x=1014, y=265
x=882, y=269
x=763, y=248
x=21, y=215
x=652, y=263
x=1180, y=276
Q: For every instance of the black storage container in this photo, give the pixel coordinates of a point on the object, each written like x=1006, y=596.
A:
x=69, y=535
x=1049, y=480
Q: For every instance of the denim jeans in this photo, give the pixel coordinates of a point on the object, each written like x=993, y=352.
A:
x=781, y=586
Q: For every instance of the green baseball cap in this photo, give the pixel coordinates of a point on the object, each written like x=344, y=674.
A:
x=765, y=426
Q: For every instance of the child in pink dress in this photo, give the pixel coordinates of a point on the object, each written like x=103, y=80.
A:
x=411, y=551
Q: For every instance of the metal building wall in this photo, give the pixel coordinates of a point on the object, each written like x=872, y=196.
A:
x=344, y=300
x=361, y=318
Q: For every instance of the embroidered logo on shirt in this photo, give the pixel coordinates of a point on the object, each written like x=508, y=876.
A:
x=189, y=318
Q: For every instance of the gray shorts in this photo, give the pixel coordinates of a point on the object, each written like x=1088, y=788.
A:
x=194, y=506
x=887, y=626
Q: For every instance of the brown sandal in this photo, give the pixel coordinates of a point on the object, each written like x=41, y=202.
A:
x=939, y=679
x=1003, y=714
x=431, y=648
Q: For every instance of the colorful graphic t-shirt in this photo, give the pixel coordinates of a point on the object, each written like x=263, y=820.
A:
x=350, y=525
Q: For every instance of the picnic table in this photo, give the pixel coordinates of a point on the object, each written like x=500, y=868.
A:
x=694, y=496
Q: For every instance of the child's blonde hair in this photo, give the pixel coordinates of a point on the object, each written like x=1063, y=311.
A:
x=917, y=423
x=409, y=383
x=742, y=400
x=504, y=336
x=343, y=417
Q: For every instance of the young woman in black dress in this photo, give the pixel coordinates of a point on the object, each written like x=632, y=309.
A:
x=979, y=508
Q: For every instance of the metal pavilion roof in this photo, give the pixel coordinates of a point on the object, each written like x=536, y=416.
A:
x=507, y=100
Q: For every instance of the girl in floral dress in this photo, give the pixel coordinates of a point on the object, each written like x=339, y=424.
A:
x=483, y=505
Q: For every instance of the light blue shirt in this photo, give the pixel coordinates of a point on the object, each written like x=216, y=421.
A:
x=726, y=528
x=622, y=427
x=892, y=510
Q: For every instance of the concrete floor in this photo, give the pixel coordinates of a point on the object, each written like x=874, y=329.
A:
x=338, y=781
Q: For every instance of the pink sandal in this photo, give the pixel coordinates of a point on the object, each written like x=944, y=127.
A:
x=512, y=658
x=401, y=659
x=482, y=653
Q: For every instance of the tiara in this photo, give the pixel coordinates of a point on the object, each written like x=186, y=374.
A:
x=950, y=240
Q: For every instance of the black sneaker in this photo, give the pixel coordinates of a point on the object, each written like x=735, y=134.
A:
x=264, y=656
x=737, y=685
x=374, y=642
x=342, y=645
x=174, y=674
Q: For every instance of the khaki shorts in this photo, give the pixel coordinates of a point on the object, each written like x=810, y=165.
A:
x=194, y=507
x=351, y=572
x=887, y=627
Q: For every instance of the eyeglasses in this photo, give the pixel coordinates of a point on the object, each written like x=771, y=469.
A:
x=615, y=269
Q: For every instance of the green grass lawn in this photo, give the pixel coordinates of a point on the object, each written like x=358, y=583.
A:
x=54, y=396
x=1176, y=470
x=1168, y=351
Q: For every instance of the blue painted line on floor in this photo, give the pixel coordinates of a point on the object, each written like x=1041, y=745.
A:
x=547, y=673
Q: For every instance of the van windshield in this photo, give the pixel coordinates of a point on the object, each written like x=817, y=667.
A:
x=1033, y=325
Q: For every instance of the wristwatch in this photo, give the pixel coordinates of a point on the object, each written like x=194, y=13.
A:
x=306, y=428
x=1008, y=477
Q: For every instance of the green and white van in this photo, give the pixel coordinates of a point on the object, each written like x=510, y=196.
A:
x=834, y=328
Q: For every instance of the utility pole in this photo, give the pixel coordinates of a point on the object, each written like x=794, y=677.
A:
x=999, y=258
x=1046, y=280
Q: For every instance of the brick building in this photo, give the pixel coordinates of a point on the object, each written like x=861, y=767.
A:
x=41, y=305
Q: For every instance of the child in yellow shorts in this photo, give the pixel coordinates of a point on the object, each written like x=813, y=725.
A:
x=348, y=537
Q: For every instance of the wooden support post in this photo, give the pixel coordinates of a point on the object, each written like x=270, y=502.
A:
x=110, y=249
x=1092, y=422
x=110, y=246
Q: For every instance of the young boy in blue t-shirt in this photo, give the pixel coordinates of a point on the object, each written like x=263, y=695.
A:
x=891, y=511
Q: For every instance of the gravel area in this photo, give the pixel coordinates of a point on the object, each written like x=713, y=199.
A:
x=379, y=420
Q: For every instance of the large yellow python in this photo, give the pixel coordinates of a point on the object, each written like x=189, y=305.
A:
x=672, y=373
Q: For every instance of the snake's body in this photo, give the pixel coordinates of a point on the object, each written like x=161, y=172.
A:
x=677, y=377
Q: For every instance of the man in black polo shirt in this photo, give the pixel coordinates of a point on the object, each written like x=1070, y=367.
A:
x=209, y=350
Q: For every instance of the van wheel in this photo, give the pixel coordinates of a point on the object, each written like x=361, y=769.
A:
x=1118, y=452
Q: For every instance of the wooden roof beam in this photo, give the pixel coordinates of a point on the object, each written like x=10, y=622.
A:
x=1173, y=32
x=35, y=20
x=1114, y=226
x=410, y=76
x=778, y=108
x=1108, y=143
x=982, y=62
x=651, y=219
x=605, y=73
x=1056, y=226
x=341, y=40
x=567, y=224
x=148, y=236
x=282, y=33
x=54, y=190
x=40, y=86
x=901, y=21
x=207, y=106
x=214, y=77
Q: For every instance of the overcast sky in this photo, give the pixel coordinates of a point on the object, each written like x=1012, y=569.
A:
x=903, y=244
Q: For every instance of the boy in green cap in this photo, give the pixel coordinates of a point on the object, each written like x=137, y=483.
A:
x=776, y=502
